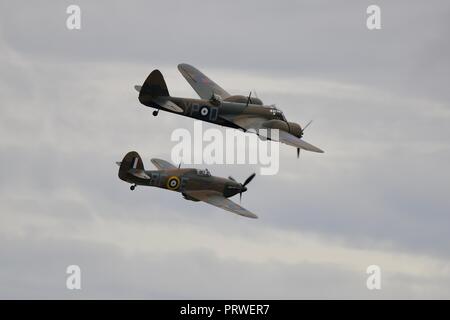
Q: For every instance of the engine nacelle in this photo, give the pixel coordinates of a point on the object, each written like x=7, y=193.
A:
x=276, y=124
x=291, y=127
x=243, y=99
x=295, y=129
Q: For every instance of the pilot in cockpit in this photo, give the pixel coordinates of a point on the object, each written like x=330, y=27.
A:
x=204, y=173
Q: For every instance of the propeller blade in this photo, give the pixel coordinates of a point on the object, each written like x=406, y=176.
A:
x=240, y=197
x=250, y=178
x=249, y=97
x=307, y=125
x=298, y=153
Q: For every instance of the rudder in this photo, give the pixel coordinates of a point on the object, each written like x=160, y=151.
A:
x=154, y=85
x=132, y=160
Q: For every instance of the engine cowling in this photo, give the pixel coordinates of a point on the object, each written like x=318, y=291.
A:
x=291, y=127
x=243, y=99
x=276, y=124
x=295, y=129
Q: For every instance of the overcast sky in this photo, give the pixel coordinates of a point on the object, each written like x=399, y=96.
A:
x=378, y=195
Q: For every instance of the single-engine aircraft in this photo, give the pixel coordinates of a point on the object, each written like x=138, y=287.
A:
x=195, y=185
x=219, y=107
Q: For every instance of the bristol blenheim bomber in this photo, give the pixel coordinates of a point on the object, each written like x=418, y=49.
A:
x=217, y=106
x=195, y=185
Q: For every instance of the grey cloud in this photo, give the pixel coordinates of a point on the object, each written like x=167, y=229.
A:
x=315, y=39
x=37, y=270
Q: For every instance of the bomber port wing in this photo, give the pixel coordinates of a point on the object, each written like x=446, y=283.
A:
x=203, y=85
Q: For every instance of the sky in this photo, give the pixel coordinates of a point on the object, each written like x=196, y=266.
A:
x=377, y=196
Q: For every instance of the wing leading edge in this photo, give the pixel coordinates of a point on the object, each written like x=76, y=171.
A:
x=257, y=123
x=217, y=199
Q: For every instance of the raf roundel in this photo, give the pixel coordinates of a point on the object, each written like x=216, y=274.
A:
x=173, y=183
x=204, y=111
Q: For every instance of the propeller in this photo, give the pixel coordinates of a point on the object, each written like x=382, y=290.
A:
x=301, y=135
x=307, y=125
x=246, y=182
x=248, y=99
x=250, y=178
x=242, y=187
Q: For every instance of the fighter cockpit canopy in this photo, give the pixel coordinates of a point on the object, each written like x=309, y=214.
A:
x=204, y=173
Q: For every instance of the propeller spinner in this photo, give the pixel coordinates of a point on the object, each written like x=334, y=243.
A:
x=243, y=187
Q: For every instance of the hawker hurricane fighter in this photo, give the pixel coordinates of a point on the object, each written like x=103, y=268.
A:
x=218, y=106
x=193, y=184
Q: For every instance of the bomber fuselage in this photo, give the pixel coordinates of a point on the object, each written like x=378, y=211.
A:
x=209, y=111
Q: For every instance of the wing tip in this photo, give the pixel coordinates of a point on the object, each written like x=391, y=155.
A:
x=318, y=150
x=183, y=66
x=248, y=214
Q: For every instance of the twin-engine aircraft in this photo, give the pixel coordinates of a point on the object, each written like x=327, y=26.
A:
x=195, y=185
x=218, y=106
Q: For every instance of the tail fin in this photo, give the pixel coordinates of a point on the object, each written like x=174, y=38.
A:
x=154, y=86
x=132, y=160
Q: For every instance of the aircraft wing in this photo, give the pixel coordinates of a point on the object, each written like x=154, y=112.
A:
x=217, y=199
x=203, y=85
x=294, y=141
x=162, y=164
x=256, y=123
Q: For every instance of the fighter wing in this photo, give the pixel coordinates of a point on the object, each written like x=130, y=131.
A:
x=217, y=199
x=257, y=123
x=203, y=85
x=162, y=164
